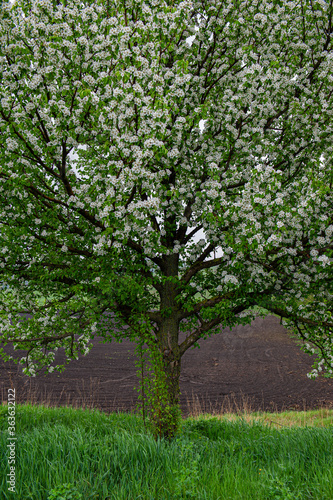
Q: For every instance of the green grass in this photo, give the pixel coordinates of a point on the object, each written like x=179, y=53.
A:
x=101, y=457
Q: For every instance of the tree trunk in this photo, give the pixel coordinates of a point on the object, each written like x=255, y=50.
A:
x=166, y=411
x=170, y=359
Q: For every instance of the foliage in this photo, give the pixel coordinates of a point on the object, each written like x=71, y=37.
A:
x=165, y=162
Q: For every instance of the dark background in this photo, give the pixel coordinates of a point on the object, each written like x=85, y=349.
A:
x=258, y=366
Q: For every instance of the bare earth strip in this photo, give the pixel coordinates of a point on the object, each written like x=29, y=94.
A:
x=259, y=365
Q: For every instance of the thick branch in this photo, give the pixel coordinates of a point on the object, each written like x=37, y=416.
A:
x=42, y=341
x=205, y=253
x=206, y=303
x=49, y=304
x=205, y=327
x=284, y=314
x=154, y=316
x=138, y=248
x=191, y=234
x=198, y=266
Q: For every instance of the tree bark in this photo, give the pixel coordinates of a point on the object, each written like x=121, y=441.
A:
x=167, y=343
x=171, y=357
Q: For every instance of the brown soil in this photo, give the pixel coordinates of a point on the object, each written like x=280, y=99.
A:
x=258, y=365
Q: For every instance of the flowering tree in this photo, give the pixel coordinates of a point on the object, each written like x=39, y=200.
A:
x=108, y=179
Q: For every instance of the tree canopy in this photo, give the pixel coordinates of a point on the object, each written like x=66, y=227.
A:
x=139, y=138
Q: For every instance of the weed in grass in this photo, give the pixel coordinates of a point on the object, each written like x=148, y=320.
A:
x=187, y=475
x=65, y=492
x=280, y=487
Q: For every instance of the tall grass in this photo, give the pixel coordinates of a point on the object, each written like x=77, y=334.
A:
x=232, y=409
x=103, y=457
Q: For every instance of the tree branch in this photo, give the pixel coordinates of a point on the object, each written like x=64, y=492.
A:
x=206, y=303
x=205, y=327
x=284, y=314
x=198, y=266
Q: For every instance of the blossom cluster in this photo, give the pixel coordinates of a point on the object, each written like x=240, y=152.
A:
x=124, y=146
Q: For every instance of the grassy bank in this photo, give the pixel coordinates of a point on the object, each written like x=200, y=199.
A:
x=101, y=457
